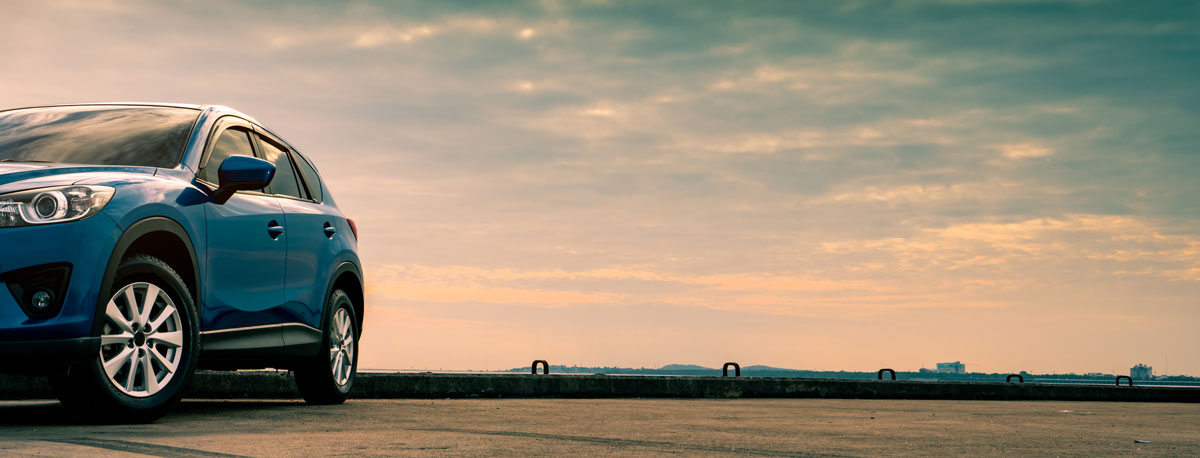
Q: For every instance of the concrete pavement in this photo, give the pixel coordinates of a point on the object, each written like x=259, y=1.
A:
x=616, y=427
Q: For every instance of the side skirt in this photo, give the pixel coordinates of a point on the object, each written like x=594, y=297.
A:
x=257, y=347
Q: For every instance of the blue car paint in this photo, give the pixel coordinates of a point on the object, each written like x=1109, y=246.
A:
x=247, y=277
x=80, y=243
x=306, y=228
x=245, y=273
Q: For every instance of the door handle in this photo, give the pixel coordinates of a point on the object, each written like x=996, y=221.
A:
x=274, y=229
x=329, y=230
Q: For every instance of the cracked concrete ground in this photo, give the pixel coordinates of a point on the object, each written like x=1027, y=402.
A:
x=616, y=427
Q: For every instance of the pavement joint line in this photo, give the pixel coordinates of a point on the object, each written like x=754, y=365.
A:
x=142, y=448
x=628, y=442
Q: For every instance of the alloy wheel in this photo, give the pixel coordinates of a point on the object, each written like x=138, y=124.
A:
x=142, y=342
x=341, y=346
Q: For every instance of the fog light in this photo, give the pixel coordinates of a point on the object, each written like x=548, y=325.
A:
x=41, y=300
x=39, y=290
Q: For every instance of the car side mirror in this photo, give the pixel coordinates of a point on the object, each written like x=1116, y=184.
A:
x=242, y=173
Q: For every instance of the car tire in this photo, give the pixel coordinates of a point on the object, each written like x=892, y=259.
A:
x=327, y=378
x=148, y=352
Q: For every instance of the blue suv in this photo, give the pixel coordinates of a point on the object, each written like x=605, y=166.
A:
x=139, y=242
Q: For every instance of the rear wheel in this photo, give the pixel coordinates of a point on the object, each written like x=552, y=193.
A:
x=328, y=377
x=148, y=348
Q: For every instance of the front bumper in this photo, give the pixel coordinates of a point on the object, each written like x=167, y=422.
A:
x=46, y=356
x=86, y=245
x=50, y=351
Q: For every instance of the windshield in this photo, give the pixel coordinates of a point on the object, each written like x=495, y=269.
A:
x=100, y=135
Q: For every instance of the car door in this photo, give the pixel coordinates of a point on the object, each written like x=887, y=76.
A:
x=247, y=247
x=311, y=246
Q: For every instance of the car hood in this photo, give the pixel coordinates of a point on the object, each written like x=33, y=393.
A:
x=15, y=176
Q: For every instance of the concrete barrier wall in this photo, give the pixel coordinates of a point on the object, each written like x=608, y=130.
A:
x=267, y=385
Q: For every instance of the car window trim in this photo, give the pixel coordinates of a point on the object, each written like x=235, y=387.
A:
x=317, y=185
x=263, y=135
x=262, y=154
x=223, y=124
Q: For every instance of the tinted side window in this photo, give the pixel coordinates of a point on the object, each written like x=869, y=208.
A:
x=311, y=180
x=284, y=183
x=233, y=142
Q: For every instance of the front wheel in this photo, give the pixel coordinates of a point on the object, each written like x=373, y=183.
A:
x=328, y=377
x=148, y=348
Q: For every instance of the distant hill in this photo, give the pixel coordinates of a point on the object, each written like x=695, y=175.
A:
x=684, y=367
x=769, y=371
x=767, y=368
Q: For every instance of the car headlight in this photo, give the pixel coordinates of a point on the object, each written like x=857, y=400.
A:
x=52, y=205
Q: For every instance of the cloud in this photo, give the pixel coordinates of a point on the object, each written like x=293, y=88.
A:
x=388, y=35
x=988, y=255
x=1024, y=150
x=1105, y=245
x=768, y=293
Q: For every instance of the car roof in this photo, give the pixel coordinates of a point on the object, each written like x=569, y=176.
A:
x=218, y=110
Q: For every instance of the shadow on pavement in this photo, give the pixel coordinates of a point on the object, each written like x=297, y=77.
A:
x=52, y=413
x=31, y=413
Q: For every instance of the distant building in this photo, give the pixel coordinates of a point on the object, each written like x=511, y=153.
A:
x=956, y=367
x=1141, y=372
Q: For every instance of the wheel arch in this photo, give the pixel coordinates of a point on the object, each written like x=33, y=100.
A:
x=347, y=277
x=160, y=237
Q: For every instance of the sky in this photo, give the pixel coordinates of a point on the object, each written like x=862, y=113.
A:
x=813, y=185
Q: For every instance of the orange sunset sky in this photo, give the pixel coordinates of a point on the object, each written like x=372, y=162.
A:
x=814, y=185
